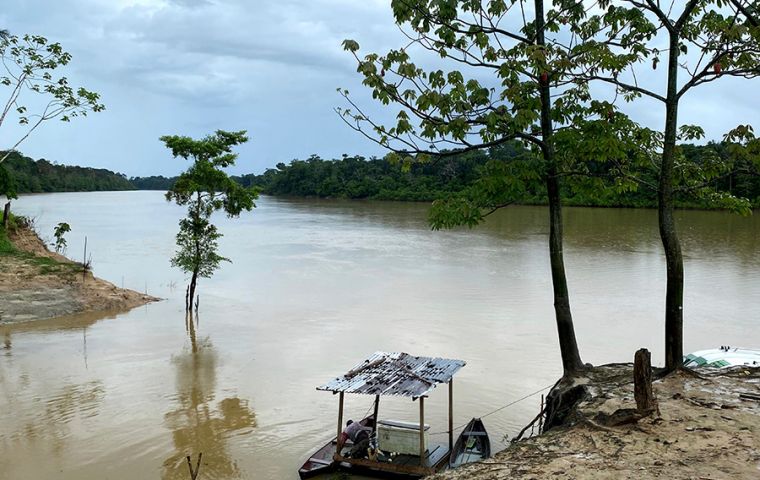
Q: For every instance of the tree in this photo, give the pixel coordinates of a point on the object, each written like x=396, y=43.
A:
x=60, y=243
x=707, y=40
x=519, y=101
x=205, y=188
x=30, y=62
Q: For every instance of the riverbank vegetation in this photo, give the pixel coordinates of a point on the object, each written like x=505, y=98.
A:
x=357, y=177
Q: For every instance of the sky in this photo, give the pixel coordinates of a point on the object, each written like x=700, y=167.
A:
x=270, y=67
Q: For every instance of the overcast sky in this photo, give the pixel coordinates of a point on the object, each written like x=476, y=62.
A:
x=267, y=66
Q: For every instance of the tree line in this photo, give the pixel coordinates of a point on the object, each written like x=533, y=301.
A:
x=357, y=177
x=21, y=174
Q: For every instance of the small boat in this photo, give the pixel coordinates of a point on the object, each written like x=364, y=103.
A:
x=472, y=445
x=322, y=461
x=402, y=449
x=723, y=357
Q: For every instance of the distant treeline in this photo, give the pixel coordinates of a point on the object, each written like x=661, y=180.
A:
x=356, y=177
x=25, y=175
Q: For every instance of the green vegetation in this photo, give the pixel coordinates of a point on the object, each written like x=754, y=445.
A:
x=6, y=247
x=45, y=265
x=384, y=179
x=29, y=176
x=205, y=188
x=60, y=242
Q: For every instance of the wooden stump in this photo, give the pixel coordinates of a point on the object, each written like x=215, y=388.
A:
x=646, y=402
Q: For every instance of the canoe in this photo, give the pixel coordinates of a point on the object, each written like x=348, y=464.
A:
x=321, y=461
x=472, y=445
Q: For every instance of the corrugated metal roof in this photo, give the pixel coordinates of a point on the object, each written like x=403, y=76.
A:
x=395, y=373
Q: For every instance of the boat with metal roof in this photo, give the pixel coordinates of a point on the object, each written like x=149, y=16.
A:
x=396, y=449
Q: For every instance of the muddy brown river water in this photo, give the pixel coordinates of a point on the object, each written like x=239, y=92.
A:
x=315, y=286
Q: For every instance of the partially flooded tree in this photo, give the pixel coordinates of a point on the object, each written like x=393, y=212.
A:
x=621, y=43
x=205, y=188
x=503, y=81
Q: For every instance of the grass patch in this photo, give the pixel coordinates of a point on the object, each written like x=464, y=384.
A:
x=6, y=247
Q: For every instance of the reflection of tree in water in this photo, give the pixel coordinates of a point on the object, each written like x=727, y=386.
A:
x=199, y=423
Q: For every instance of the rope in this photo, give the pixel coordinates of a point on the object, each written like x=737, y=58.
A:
x=501, y=408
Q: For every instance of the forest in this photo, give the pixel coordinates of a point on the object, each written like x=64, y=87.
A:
x=357, y=177
x=25, y=175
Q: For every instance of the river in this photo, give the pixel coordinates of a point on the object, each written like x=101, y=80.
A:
x=315, y=286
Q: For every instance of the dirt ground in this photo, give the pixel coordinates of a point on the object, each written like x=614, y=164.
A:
x=37, y=284
x=705, y=430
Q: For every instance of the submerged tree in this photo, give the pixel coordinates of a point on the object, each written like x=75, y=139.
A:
x=505, y=92
x=706, y=41
x=205, y=188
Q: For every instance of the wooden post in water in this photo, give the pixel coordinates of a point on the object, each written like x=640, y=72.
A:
x=646, y=402
x=451, y=415
x=340, y=423
x=422, y=431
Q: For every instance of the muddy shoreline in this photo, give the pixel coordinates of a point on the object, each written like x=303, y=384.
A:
x=37, y=284
x=705, y=430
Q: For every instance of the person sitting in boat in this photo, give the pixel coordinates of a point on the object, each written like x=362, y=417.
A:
x=359, y=436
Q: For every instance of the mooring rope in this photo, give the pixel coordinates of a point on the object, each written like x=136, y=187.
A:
x=501, y=408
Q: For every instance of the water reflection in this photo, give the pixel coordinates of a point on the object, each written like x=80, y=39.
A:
x=67, y=404
x=199, y=423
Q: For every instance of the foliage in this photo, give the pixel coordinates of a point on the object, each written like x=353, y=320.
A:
x=6, y=247
x=30, y=62
x=60, y=230
x=156, y=182
x=30, y=176
x=205, y=188
x=709, y=40
x=486, y=173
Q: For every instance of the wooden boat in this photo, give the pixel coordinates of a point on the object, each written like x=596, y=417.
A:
x=472, y=445
x=322, y=461
x=390, y=374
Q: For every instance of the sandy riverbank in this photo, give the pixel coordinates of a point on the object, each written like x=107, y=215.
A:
x=37, y=284
x=705, y=430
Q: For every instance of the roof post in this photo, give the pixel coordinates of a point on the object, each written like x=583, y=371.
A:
x=422, y=430
x=338, y=444
x=377, y=406
x=451, y=415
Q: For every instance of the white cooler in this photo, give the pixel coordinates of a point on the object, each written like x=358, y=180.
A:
x=400, y=437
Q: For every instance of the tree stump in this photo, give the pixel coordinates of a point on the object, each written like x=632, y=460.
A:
x=646, y=402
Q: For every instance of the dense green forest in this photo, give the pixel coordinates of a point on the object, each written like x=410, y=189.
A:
x=381, y=179
x=25, y=175
x=356, y=177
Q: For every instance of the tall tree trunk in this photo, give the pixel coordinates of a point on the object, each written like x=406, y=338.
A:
x=571, y=359
x=667, y=222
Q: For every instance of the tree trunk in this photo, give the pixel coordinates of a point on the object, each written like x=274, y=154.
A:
x=667, y=222
x=571, y=359
x=6, y=214
x=193, y=282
